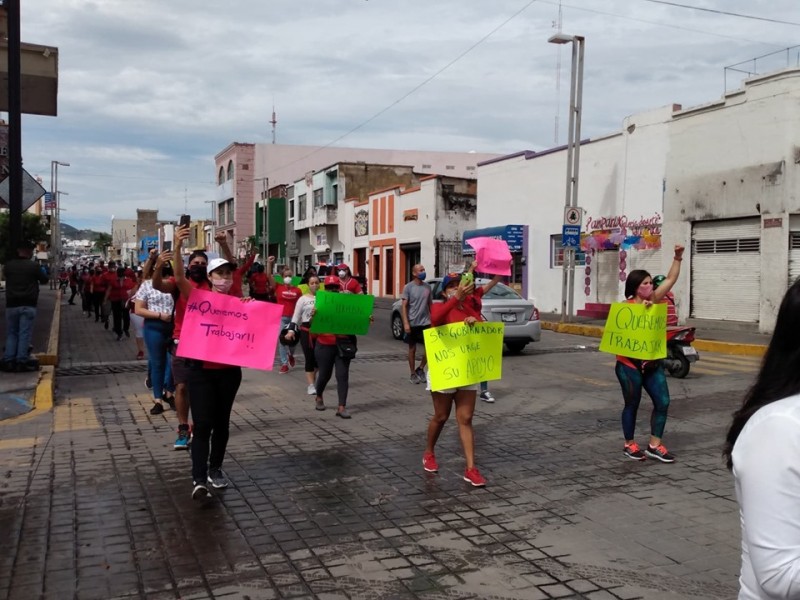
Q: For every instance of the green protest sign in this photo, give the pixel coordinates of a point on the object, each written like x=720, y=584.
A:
x=296, y=280
x=636, y=331
x=342, y=313
x=460, y=354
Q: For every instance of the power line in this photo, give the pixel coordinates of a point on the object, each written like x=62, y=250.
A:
x=723, y=12
x=415, y=88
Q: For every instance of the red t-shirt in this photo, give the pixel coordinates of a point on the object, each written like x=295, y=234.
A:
x=180, y=308
x=99, y=283
x=287, y=297
x=119, y=288
x=238, y=275
x=259, y=281
x=453, y=312
x=351, y=285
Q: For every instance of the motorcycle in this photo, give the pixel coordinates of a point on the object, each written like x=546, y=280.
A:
x=680, y=353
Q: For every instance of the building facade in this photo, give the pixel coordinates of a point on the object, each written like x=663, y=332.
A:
x=720, y=179
x=124, y=241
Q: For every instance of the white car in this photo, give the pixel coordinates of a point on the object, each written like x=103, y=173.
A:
x=501, y=304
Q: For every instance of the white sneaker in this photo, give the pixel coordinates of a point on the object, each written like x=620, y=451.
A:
x=487, y=397
x=311, y=391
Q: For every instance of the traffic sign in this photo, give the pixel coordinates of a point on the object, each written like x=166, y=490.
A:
x=573, y=215
x=571, y=236
x=31, y=191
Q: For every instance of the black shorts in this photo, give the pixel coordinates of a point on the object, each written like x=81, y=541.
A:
x=180, y=369
x=415, y=336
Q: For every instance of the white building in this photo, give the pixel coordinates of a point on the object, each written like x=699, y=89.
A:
x=720, y=179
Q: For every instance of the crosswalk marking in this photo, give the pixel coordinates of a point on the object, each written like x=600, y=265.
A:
x=720, y=364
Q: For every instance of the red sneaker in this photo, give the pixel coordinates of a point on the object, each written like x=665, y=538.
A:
x=139, y=355
x=291, y=360
x=474, y=477
x=284, y=369
x=429, y=463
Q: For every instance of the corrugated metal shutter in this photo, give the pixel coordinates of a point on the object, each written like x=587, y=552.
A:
x=649, y=260
x=726, y=270
x=794, y=256
x=607, y=268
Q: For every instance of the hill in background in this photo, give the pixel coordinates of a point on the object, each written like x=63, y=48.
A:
x=68, y=232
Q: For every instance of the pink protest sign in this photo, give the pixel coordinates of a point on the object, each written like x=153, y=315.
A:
x=493, y=255
x=223, y=329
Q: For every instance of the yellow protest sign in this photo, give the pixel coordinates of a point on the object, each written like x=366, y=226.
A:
x=636, y=331
x=460, y=354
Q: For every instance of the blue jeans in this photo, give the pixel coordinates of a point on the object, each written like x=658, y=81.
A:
x=285, y=351
x=157, y=337
x=19, y=328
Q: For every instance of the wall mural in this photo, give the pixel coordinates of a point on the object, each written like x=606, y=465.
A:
x=362, y=223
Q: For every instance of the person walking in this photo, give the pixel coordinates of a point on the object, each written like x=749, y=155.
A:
x=97, y=290
x=86, y=290
x=477, y=300
x=137, y=321
x=73, y=284
x=23, y=277
x=197, y=278
x=117, y=293
x=761, y=449
x=456, y=308
x=260, y=284
x=287, y=296
x=212, y=391
x=634, y=375
x=415, y=311
x=156, y=308
x=303, y=311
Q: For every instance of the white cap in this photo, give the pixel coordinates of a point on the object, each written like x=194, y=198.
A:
x=216, y=263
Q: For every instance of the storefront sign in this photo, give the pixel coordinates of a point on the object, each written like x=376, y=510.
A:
x=460, y=354
x=636, y=331
x=773, y=222
x=652, y=224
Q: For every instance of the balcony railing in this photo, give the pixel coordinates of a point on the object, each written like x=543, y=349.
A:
x=325, y=215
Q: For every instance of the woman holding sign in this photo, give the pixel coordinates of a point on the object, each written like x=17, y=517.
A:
x=303, y=311
x=459, y=305
x=634, y=374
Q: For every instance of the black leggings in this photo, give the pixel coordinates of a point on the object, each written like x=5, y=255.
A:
x=97, y=304
x=211, y=396
x=308, y=350
x=121, y=316
x=328, y=358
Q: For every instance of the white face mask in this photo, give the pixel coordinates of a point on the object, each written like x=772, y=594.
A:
x=342, y=273
x=287, y=280
x=222, y=285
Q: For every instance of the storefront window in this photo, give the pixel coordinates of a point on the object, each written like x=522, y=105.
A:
x=557, y=254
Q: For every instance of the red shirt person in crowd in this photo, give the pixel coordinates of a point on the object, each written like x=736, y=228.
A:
x=117, y=293
x=287, y=296
x=346, y=280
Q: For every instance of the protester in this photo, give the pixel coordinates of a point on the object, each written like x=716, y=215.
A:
x=137, y=321
x=23, y=277
x=455, y=309
x=346, y=280
x=197, y=278
x=212, y=391
x=310, y=272
x=260, y=284
x=85, y=289
x=117, y=293
x=669, y=299
x=287, y=296
x=157, y=307
x=634, y=374
x=73, y=284
x=416, y=314
x=97, y=289
x=761, y=449
x=303, y=312
x=477, y=300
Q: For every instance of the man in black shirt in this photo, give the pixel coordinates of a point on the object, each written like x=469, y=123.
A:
x=23, y=277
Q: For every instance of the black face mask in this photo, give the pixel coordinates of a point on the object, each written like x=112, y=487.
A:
x=197, y=273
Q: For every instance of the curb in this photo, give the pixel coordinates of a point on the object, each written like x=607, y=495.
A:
x=732, y=348
x=51, y=356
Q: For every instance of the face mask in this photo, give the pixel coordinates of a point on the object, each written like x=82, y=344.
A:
x=342, y=274
x=197, y=273
x=222, y=285
x=287, y=280
x=645, y=291
x=422, y=275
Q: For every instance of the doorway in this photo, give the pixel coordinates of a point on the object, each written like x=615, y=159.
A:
x=388, y=289
x=412, y=254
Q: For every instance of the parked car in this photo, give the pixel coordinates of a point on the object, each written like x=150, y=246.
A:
x=501, y=304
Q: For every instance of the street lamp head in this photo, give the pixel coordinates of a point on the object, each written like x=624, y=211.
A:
x=561, y=38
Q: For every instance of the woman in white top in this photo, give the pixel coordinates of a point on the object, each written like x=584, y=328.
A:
x=763, y=451
x=157, y=310
x=302, y=318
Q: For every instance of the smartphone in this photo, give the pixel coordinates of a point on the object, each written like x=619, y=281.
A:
x=185, y=221
x=166, y=246
x=467, y=278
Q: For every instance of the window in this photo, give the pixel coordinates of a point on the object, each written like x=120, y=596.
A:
x=726, y=246
x=557, y=254
x=230, y=170
x=290, y=191
x=221, y=176
x=318, y=198
x=301, y=201
x=231, y=218
x=221, y=213
x=291, y=209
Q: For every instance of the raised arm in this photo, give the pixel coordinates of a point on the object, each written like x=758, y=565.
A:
x=222, y=239
x=181, y=234
x=674, y=271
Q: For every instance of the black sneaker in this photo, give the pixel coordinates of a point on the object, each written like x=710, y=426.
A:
x=659, y=452
x=148, y=384
x=200, y=491
x=171, y=401
x=157, y=409
x=633, y=451
x=218, y=479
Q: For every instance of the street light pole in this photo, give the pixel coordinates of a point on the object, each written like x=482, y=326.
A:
x=55, y=222
x=213, y=204
x=573, y=161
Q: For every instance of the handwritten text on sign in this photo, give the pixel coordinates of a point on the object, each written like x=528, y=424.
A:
x=342, y=313
x=460, y=354
x=223, y=329
x=636, y=331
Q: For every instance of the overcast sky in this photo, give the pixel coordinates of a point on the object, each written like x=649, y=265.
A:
x=150, y=91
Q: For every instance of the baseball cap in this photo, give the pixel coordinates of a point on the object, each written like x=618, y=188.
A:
x=449, y=278
x=216, y=263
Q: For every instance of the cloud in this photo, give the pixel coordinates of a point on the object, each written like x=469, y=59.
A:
x=150, y=91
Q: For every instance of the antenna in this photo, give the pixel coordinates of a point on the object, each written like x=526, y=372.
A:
x=274, y=121
x=557, y=26
x=185, y=200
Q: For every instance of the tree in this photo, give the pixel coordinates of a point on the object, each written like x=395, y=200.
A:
x=102, y=242
x=34, y=229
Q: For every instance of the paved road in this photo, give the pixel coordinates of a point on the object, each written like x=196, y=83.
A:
x=94, y=503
